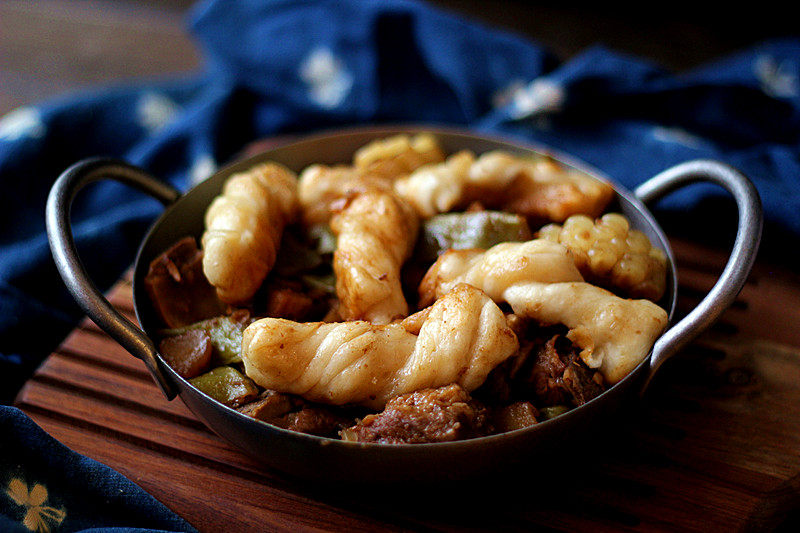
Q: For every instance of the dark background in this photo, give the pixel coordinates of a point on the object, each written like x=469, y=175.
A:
x=49, y=47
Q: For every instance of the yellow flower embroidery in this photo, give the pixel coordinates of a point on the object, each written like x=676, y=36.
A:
x=39, y=516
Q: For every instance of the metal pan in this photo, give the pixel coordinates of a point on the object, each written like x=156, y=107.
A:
x=322, y=458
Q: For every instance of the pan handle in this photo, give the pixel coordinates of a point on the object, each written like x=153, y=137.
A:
x=735, y=273
x=59, y=233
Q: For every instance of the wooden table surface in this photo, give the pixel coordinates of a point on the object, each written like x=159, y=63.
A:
x=716, y=445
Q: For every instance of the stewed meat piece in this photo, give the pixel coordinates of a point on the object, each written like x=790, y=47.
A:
x=292, y=412
x=189, y=353
x=559, y=377
x=430, y=415
x=178, y=289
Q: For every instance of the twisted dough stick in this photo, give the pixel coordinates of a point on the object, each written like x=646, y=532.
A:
x=376, y=234
x=321, y=187
x=541, y=282
x=438, y=188
x=376, y=230
x=499, y=267
x=614, y=334
x=398, y=155
x=539, y=188
x=244, y=227
x=375, y=166
x=463, y=336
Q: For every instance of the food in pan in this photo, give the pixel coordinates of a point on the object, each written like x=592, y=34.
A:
x=540, y=189
x=244, y=226
x=376, y=232
x=540, y=281
x=459, y=339
x=376, y=166
x=611, y=254
x=410, y=296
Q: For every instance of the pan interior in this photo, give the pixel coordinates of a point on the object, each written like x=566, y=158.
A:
x=185, y=217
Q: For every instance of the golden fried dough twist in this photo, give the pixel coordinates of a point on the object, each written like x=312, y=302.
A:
x=376, y=233
x=321, y=188
x=375, y=166
x=614, y=334
x=462, y=337
x=243, y=229
x=398, y=155
x=539, y=188
x=547, y=190
x=499, y=267
x=435, y=189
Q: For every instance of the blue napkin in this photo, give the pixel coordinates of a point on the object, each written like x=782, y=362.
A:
x=278, y=67
x=45, y=486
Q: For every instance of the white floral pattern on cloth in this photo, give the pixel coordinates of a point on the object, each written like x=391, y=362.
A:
x=329, y=82
x=677, y=136
x=202, y=168
x=21, y=123
x=778, y=80
x=540, y=97
x=38, y=516
x=505, y=95
x=155, y=110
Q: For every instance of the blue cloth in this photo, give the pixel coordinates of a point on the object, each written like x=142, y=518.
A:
x=45, y=486
x=278, y=67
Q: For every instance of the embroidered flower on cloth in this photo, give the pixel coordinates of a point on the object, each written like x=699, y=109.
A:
x=154, y=111
x=505, y=95
x=202, y=168
x=777, y=79
x=20, y=123
x=677, y=136
x=329, y=82
x=39, y=517
x=541, y=96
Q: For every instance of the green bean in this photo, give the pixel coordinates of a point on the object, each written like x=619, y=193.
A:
x=479, y=229
x=225, y=334
x=546, y=413
x=226, y=385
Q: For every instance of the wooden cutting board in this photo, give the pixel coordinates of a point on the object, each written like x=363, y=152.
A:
x=716, y=445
